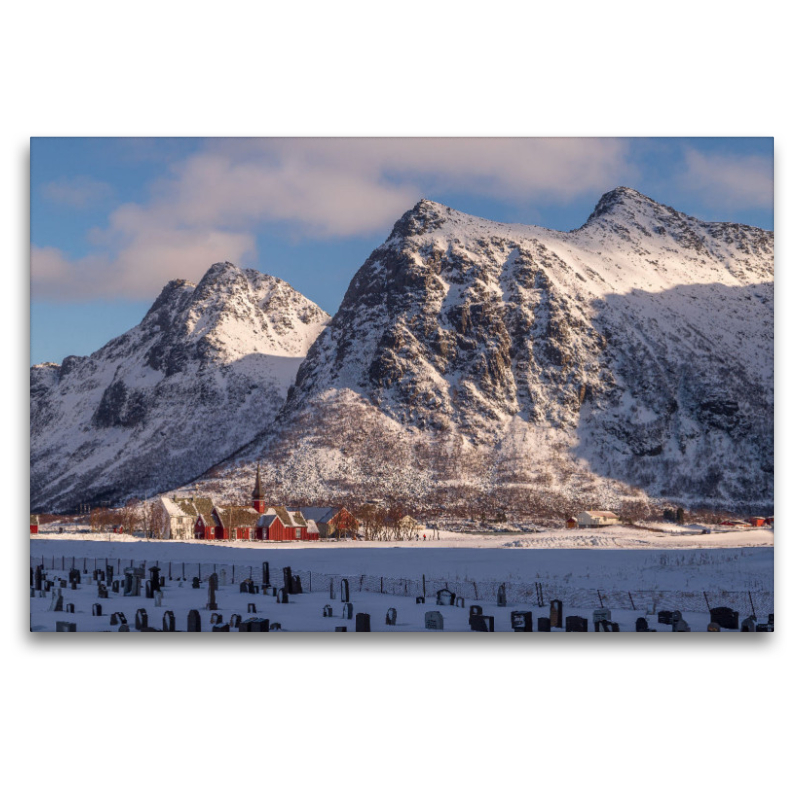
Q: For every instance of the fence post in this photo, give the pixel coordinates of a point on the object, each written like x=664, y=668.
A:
x=630, y=597
x=753, y=608
x=708, y=605
x=423, y=586
x=381, y=584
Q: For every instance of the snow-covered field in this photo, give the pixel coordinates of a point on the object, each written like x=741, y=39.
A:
x=633, y=582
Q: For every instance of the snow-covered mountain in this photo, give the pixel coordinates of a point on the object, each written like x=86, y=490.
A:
x=204, y=372
x=638, y=349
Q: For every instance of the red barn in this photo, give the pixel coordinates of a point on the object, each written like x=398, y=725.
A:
x=278, y=524
x=34, y=523
x=757, y=522
x=572, y=522
x=235, y=522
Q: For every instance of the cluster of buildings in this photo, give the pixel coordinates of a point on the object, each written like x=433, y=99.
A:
x=593, y=519
x=201, y=518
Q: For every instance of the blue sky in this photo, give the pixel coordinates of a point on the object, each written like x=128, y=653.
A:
x=112, y=220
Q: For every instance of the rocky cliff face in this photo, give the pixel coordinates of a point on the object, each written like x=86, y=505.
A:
x=204, y=372
x=637, y=348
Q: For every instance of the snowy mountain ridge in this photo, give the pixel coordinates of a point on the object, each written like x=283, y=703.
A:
x=636, y=349
x=206, y=369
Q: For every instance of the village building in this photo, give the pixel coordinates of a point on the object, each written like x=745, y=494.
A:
x=757, y=522
x=176, y=518
x=572, y=522
x=409, y=525
x=34, y=523
x=596, y=519
x=330, y=520
x=279, y=524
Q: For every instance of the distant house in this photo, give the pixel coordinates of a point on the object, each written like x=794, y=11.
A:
x=235, y=522
x=757, y=522
x=34, y=523
x=177, y=518
x=572, y=522
x=279, y=524
x=596, y=519
x=408, y=524
x=330, y=520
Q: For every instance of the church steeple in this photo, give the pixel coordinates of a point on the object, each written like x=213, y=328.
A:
x=259, y=497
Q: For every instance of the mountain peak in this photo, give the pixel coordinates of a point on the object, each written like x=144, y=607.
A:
x=624, y=201
x=425, y=216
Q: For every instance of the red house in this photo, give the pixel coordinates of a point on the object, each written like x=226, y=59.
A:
x=34, y=523
x=756, y=522
x=279, y=524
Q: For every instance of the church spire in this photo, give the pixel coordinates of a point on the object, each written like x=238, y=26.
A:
x=258, y=492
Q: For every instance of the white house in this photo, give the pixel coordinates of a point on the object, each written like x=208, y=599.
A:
x=176, y=520
x=596, y=519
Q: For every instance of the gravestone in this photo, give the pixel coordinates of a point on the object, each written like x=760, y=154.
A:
x=148, y=590
x=600, y=614
x=543, y=624
x=283, y=596
x=244, y=587
x=287, y=580
x=132, y=586
x=158, y=597
x=223, y=577
x=577, y=625
x=66, y=627
x=680, y=626
x=460, y=602
x=254, y=625
x=556, y=614
x=118, y=618
x=327, y=611
x=251, y=608
x=115, y=587
x=667, y=617
x=642, y=625
x=236, y=620
x=74, y=576
x=444, y=597
x=481, y=623
x=420, y=600
x=434, y=621
x=109, y=576
x=522, y=621
x=713, y=627
x=297, y=586
x=749, y=625
x=195, y=582
x=725, y=617
x=362, y=623
x=345, y=590
x=501, y=596
x=340, y=629
x=213, y=581
x=155, y=579
x=70, y=608
x=347, y=611
x=276, y=626
x=123, y=629
x=252, y=587
x=220, y=628
x=168, y=622
x=56, y=600
x=332, y=590
x=216, y=619
x=391, y=616
x=102, y=591
x=193, y=621
x=212, y=593
x=141, y=619
x=38, y=577
x=475, y=611
x=265, y=573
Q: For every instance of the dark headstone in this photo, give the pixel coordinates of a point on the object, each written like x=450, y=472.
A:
x=481, y=623
x=543, y=624
x=216, y=619
x=115, y=587
x=362, y=623
x=444, y=597
x=251, y=608
x=749, y=625
x=434, y=621
x=297, y=586
x=220, y=628
x=74, y=576
x=340, y=629
x=102, y=591
x=70, y=608
x=391, y=616
x=244, y=587
x=168, y=622
x=287, y=580
x=347, y=611
x=577, y=625
x=283, y=596
x=475, y=611
x=276, y=626
x=123, y=629
x=193, y=624
x=213, y=581
x=501, y=596
x=254, y=625
x=725, y=617
x=148, y=590
x=236, y=620
x=665, y=617
x=420, y=600
x=265, y=573
x=141, y=619
x=556, y=614
x=642, y=625
x=345, y=590
x=211, y=605
x=327, y=611
x=522, y=621
x=66, y=627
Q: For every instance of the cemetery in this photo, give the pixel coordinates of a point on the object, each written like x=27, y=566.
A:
x=90, y=587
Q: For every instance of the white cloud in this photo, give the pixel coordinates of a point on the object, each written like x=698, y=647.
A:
x=78, y=192
x=728, y=181
x=210, y=204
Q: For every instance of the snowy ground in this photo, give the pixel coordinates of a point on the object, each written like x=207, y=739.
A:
x=632, y=582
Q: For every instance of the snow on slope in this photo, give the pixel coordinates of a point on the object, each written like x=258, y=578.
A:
x=638, y=348
x=206, y=369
